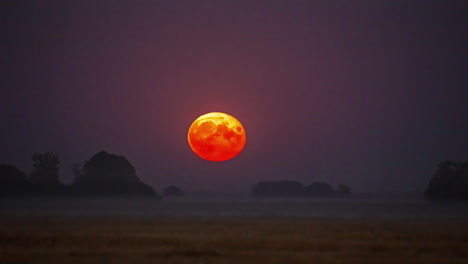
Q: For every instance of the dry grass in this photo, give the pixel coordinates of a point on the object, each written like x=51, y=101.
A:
x=221, y=241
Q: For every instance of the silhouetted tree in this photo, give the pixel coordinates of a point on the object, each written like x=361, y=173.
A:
x=450, y=182
x=12, y=181
x=106, y=174
x=319, y=189
x=173, y=191
x=44, y=177
x=343, y=190
x=278, y=188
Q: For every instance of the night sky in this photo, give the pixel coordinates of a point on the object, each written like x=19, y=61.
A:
x=373, y=94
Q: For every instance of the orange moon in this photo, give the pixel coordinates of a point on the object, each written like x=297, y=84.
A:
x=216, y=136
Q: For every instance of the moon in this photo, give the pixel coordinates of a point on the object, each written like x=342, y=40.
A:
x=216, y=136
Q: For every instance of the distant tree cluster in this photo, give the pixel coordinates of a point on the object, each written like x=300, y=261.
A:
x=297, y=189
x=104, y=174
x=450, y=182
x=173, y=191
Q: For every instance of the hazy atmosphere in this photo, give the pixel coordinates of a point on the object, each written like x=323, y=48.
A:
x=368, y=93
x=243, y=131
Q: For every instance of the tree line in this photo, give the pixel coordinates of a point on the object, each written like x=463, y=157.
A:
x=104, y=174
x=297, y=189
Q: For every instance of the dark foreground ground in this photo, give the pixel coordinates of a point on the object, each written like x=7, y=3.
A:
x=99, y=240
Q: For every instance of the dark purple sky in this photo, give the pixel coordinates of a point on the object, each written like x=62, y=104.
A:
x=368, y=93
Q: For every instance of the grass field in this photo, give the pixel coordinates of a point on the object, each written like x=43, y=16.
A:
x=66, y=240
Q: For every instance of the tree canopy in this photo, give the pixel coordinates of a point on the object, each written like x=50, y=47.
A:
x=108, y=174
x=44, y=177
x=450, y=182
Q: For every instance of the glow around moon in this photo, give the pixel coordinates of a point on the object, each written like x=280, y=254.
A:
x=216, y=136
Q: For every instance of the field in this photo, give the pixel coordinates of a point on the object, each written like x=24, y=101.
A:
x=98, y=240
